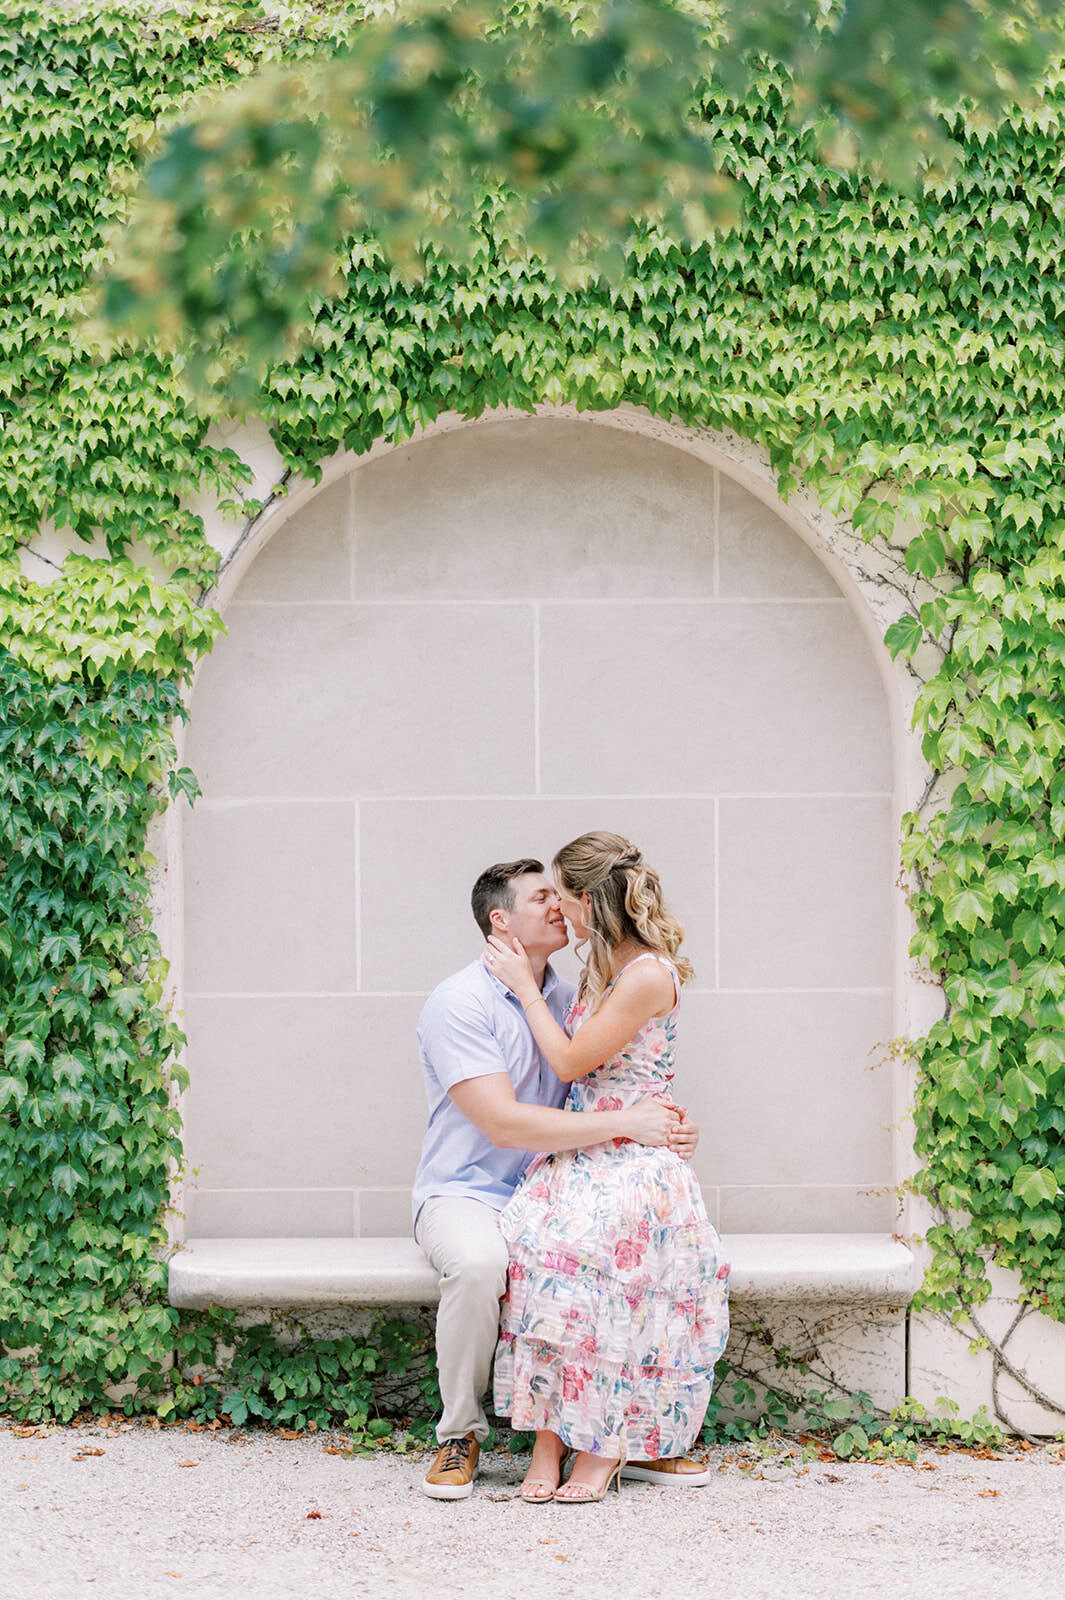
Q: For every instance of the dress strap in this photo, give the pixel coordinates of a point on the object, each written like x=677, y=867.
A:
x=655, y=955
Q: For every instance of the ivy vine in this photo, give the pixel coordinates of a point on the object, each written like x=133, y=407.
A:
x=90, y=1135
x=900, y=354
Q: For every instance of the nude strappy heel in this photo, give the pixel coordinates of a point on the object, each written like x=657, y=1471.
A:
x=583, y=1494
x=533, y=1499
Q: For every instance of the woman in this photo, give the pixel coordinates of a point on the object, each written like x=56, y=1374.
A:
x=617, y=1306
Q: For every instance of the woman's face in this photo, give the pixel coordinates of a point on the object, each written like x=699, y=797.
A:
x=574, y=910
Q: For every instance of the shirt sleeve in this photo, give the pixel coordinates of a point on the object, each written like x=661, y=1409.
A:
x=457, y=1041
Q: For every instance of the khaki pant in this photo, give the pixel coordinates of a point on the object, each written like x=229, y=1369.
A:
x=462, y=1240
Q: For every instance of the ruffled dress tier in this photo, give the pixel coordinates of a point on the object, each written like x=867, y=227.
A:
x=617, y=1299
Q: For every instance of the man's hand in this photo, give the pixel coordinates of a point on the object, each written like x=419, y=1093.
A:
x=684, y=1136
x=650, y=1121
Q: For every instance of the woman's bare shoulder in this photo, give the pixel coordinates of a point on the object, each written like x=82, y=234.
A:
x=647, y=980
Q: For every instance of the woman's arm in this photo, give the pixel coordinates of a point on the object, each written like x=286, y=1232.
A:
x=643, y=993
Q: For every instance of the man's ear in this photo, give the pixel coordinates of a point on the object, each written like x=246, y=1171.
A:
x=498, y=919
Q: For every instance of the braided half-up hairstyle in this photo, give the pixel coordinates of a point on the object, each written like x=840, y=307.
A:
x=624, y=902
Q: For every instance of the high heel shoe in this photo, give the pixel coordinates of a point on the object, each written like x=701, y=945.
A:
x=529, y=1490
x=583, y=1493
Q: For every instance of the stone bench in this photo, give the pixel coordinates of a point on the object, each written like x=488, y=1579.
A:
x=849, y=1270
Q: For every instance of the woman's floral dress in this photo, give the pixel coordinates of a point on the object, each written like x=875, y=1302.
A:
x=617, y=1301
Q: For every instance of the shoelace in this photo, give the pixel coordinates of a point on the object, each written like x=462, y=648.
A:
x=457, y=1451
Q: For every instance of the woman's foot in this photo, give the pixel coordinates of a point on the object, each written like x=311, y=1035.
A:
x=590, y=1479
x=545, y=1469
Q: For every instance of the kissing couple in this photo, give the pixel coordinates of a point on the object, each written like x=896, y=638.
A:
x=555, y=1196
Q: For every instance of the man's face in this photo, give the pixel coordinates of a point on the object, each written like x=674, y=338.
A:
x=536, y=919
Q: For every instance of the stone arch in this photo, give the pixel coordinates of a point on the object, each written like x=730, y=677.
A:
x=835, y=976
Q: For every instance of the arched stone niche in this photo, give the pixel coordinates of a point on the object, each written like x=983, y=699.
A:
x=474, y=647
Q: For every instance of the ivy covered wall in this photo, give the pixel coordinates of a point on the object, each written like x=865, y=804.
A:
x=900, y=354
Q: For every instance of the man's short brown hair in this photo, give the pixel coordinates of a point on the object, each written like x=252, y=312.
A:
x=494, y=890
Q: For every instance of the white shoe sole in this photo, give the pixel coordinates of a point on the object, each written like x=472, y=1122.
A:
x=668, y=1480
x=449, y=1491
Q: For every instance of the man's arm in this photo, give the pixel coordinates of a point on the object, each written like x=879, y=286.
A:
x=489, y=1102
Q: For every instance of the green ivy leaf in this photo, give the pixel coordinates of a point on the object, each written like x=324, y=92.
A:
x=993, y=776
x=926, y=554
x=67, y=1177
x=12, y=1092
x=23, y=1054
x=979, y=635
x=69, y=1068
x=873, y=517
x=904, y=636
x=55, y=947
x=1032, y=1184
x=966, y=906
x=1047, y=1049
x=235, y=1407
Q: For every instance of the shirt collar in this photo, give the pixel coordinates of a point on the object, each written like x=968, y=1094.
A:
x=550, y=982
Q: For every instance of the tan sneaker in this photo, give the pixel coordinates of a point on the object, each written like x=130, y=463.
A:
x=452, y=1473
x=672, y=1472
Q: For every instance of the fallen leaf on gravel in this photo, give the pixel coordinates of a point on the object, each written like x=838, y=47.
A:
x=188, y=1463
x=986, y=1493
x=26, y=1433
x=289, y=1433
x=831, y=1477
x=927, y=1466
x=334, y=1450
x=85, y=1451
x=171, y=1574
x=314, y=1516
x=561, y=1558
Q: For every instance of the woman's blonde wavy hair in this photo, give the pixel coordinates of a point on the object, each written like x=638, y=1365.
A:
x=624, y=902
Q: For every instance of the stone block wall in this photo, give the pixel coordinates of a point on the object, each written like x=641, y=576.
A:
x=474, y=648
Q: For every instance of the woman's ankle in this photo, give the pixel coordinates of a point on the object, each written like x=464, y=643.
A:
x=549, y=1444
x=589, y=1468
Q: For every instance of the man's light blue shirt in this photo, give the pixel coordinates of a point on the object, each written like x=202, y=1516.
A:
x=472, y=1025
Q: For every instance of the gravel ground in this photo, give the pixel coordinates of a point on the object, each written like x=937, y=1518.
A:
x=124, y=1512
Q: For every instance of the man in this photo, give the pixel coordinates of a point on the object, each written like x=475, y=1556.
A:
x=492, y=1100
